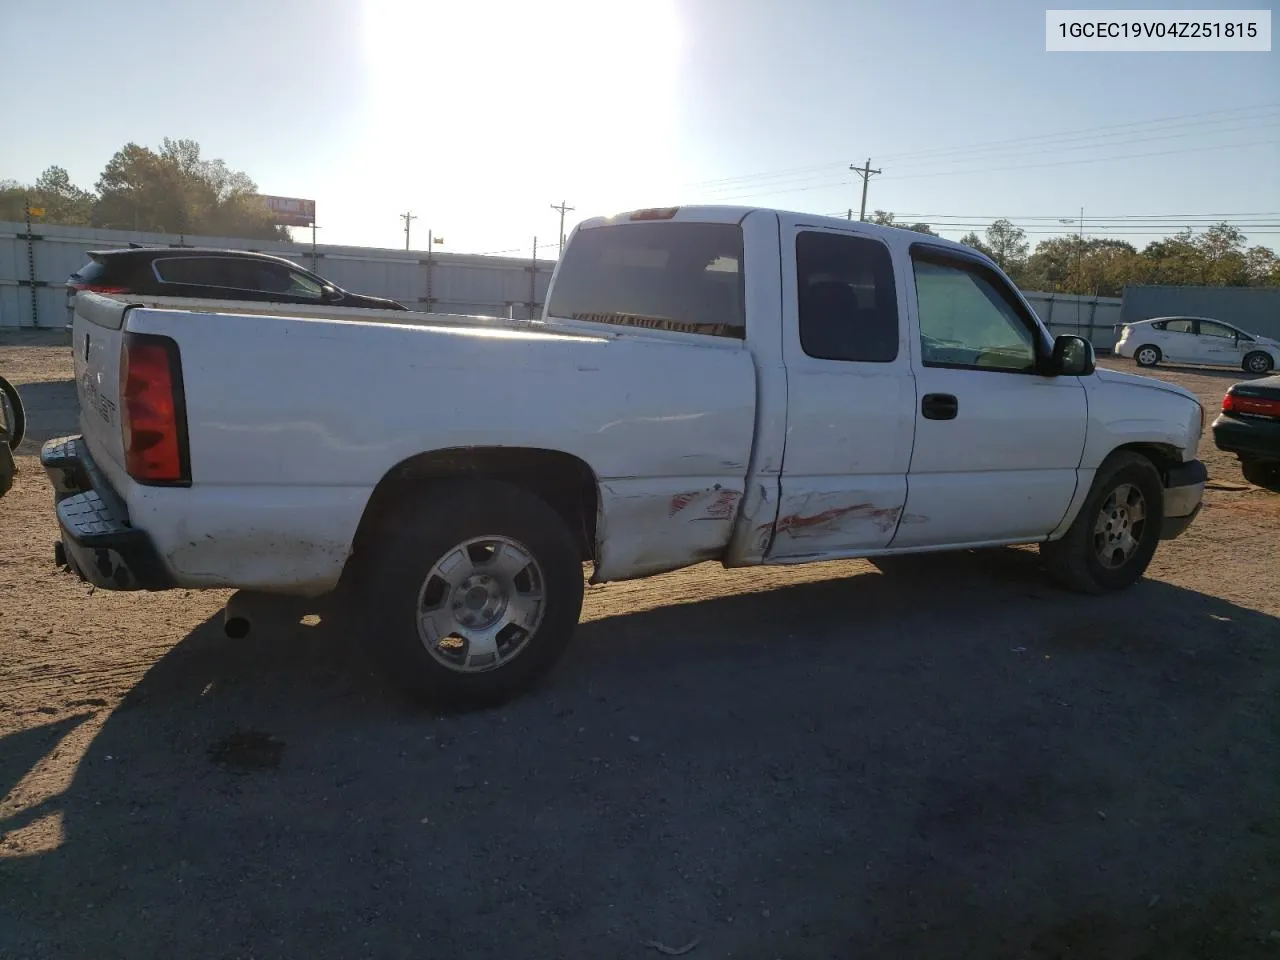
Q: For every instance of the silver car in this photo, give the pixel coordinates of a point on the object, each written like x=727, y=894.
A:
x=1197, y=340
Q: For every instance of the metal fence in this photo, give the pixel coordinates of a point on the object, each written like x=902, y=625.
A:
x=35, y=265
x=1094, y=318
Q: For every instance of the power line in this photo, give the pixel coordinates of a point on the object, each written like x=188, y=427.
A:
x=815, y=183
x=1122, y=216
x=1027, y=166
x=1064, y=163
x=1090, y=132
x=1229, y=115
x=1058, y=148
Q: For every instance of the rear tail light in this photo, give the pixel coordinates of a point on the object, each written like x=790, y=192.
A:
x=1250, y=406
x=154, y=421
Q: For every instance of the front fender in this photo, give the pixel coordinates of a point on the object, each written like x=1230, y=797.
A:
x=1125, y=409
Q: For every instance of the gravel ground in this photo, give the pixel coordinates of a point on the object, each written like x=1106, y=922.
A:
x=952, y=760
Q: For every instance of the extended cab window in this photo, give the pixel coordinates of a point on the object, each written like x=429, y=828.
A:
x=666, y=275
x=847, y=300
x=1174, y=326
x=968, y=318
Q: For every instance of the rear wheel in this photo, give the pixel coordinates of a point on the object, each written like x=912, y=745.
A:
x=1112, y=540
x=13, y=418
x=1261, y=473
x=472, y=593
x=1147, y=356
x=1257, y=362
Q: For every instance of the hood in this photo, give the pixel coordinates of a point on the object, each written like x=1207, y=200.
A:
x=1132, y=379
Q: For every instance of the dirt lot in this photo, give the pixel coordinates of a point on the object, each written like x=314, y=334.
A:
x=956, y=760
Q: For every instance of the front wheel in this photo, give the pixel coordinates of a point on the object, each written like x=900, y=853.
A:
x=1262, y=474
x=1257, y=362
x=472, y=593
x=1112, y=540
x=1147, y=356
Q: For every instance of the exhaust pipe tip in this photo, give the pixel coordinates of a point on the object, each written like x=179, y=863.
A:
x=236, y=628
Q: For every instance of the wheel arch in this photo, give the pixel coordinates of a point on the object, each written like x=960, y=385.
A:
x=566, y=482
x=1164, y=456
x=1148, y=345
x=1260, y=350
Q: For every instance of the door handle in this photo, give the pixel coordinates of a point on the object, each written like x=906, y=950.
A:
x=939, y=406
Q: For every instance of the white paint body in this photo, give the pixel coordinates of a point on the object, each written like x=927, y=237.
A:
x=1198, y=340
x=743, y=451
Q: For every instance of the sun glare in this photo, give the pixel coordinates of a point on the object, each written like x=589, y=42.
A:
x=514, y=97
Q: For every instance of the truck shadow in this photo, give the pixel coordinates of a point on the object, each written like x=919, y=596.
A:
x=52, y=411
x=959, y=762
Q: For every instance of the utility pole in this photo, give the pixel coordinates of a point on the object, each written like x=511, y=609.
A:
x=1080, y=267
x=1079, y=263
x=866, y=173
x=563, y=208
x=407, y=217
x=314, y=228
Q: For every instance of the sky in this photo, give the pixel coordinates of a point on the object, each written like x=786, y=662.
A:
x=478, y=116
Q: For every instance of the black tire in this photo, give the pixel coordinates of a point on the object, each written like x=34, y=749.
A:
x=1261, y=473
x=1074, y=559
x=441, y=517
x=1257, y=362
x=1150, y=349
x=13, y=418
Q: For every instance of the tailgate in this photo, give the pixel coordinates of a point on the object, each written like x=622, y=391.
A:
x=96, y=339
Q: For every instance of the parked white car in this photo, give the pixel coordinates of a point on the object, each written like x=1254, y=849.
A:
x=1197, y=340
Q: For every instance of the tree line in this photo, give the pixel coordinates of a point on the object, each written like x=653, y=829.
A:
x=169, y=190
x=175, y=190
x=1102, y=266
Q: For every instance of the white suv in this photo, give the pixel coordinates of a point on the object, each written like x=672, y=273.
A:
x=1197, y=340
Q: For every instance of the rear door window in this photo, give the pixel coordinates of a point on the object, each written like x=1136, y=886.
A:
x=1176, y=326
x=685, y=277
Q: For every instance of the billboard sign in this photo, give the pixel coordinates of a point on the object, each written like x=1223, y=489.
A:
x=291, y=211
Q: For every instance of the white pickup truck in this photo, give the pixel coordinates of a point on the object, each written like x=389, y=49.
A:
x=705, y=383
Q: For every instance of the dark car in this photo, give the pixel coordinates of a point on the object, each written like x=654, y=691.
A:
x=13, y=422
x=212, y=274
x=1249, y=427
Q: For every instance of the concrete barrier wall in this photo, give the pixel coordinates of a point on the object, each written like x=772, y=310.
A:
x=34, y=269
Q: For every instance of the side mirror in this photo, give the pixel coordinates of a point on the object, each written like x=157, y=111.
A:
x=1072, y=357
x=330, y=293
